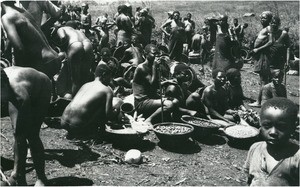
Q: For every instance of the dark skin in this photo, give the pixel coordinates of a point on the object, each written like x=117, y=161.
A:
x=148, y=71
x=212, y=92
x=79, y=50
x=92, y=106
x=276, y=127
x=28, y=94
x=31, y=48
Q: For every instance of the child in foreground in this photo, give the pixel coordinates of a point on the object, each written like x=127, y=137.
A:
x=275, y=161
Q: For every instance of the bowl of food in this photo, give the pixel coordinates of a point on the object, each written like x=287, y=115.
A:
x=124, y=135
x=173, y=133
x=203, y=127
x=241, y=134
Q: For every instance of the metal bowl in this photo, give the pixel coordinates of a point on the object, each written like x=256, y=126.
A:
x=173, y=133
x=203, y=128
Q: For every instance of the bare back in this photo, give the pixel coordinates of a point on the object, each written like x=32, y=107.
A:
x=88, y=106
x=28, y=83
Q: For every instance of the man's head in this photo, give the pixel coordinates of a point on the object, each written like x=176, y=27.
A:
x=104, y=73
x=278, y=117
x=105, y=54
x=219, y=77
x=126, y=43
x=176, y=15
x=223, y=20
x=277, y=76
x=134, y=39
x=205, y=28
x=180, y=73
x=265, y=18
x=233, y=76
x=235, y=21
x=84, y=7
x=275, y=23
x=151, y=52
x=188, y=16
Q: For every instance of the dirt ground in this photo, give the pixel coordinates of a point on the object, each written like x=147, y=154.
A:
x=209, y=162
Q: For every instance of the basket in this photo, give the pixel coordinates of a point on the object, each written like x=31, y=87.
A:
x=203, y=128
x=173, y=133
x=241, y=134
x=124, y=136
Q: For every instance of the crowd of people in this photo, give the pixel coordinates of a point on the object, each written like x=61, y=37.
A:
x=55, y=52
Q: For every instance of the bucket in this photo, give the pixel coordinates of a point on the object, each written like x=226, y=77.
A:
x=194, y=58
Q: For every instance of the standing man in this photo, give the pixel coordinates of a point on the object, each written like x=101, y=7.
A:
x=225, y=43
x=189, y=25
x=31, y=48
x=262, y=44
x=79, y=50
x=145, y=23
x=85, y=17
x=177, y=35
x=27, y=93
x=124, y=24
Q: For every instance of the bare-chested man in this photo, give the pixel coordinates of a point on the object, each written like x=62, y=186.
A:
x=31, y=48
x=215, y=98
x=85, y=17
x=134, y=54
x=145, y=85
x=79, y=52
x=272, y=51
x=91, y=107
x=124, y=24
x=28, y=93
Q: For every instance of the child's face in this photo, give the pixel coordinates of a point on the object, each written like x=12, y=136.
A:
x=276, y=126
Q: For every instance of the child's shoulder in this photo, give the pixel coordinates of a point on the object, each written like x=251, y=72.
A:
x=258, y=146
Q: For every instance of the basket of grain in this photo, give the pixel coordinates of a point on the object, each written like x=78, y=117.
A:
x=241, y=134
x=203, y=128
x=173, y=133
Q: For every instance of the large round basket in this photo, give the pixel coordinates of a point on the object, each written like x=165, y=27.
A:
x=124, y=136
x=241, y=134
x=203, y=128
x=173, y=133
